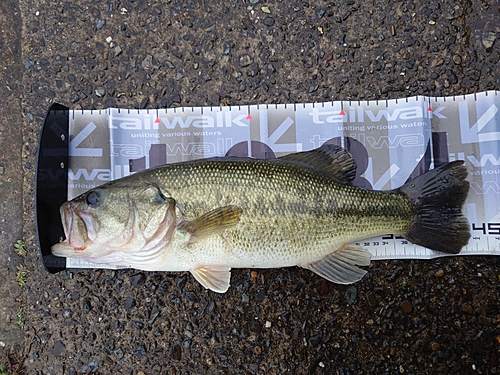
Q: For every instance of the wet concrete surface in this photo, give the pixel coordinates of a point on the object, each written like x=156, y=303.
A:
x=412, y=317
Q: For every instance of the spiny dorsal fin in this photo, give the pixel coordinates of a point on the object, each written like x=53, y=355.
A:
x=328, y=158
x=212, y=222
x=340, y=266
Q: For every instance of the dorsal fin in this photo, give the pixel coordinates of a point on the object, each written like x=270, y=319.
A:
x=328, y=158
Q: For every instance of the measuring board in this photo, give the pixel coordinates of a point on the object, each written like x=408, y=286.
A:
x=391, y=141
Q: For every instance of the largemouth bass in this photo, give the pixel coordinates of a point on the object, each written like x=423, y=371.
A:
x=211, y=215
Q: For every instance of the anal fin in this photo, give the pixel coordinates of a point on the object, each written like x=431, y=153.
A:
x=214, y=277
x=340, y=266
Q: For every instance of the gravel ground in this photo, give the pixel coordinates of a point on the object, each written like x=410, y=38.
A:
x=412, y=317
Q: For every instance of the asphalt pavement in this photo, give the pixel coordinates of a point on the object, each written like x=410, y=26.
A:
x=412, y=317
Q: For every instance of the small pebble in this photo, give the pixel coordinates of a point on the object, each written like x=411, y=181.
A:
x=312, y=88
x=466, y=308
x=119, y=353
x=245, y=60
x=439, y=273
x=137, y=279
x=86, y=306
x=488, y=38
x=100, y=23
x=129, y=303
x=153, y=316
x=254, y=276
x=92, y=366
x=452, y=76
x=352, y=295
x=435, y=346
x=407, y=307
x=29, y=64
x=169, y=64
x=140, y=351
x=315, y=340
x=268, y=21
x=138, y=325
x=176, y=352
x=100, y=91
x=323, y=287
x=57, y=348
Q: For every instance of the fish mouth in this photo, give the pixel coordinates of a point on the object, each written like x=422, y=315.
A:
x=130, y=246
x=79, y=230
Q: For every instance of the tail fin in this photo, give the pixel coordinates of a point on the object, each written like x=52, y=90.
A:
x=438, y=196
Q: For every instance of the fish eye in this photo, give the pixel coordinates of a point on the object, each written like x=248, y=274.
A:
x=93, y=199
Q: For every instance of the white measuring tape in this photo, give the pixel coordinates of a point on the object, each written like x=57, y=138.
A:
x=391, y=141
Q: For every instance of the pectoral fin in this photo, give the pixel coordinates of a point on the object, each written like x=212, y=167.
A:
x=212, y=222
x=340, y=266
x=213, y=277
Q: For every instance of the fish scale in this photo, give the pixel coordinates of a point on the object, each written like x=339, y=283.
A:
x=316, y=207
